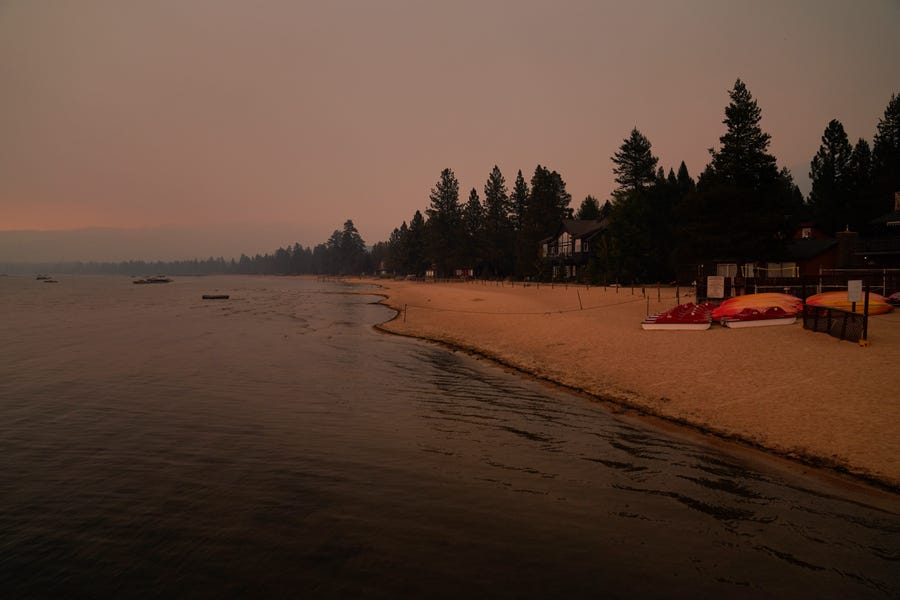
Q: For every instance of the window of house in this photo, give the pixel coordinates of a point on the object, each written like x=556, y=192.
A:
x=726, y=269
x=806, y=233
x=749, y=270
x=577, y=245
x=784, y=269
x=565, y=244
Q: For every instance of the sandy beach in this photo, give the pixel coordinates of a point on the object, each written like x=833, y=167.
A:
x=795, y=393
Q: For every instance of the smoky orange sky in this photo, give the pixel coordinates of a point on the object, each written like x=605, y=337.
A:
x=241, y=126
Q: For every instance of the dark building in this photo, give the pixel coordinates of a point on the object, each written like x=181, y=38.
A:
x=569, y=249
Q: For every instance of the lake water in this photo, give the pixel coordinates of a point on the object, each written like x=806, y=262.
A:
x=154, y=444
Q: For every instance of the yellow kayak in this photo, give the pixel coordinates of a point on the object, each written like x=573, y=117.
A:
x=877, y=303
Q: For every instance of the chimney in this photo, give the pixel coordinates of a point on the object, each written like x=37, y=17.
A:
x=846, y=249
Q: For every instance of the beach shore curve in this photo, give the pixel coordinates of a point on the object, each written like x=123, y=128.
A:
x=790, y=392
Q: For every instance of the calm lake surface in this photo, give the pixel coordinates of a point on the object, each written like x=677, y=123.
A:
x=153, y=444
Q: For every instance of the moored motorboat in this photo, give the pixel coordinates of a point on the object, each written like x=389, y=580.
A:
x=153, y=279
x=685, y=317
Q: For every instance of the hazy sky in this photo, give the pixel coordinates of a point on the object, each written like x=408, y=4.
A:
x=277, y=120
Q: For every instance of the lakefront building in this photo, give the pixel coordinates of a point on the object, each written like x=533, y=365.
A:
x=569, y=249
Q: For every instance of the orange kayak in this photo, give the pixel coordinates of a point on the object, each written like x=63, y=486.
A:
x=878, y=304
x=759, y=302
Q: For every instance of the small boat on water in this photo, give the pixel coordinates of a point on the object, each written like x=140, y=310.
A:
x=215, y=296
x=153, y=279
x=42, y=277
x=878, y=304
x=685, y=317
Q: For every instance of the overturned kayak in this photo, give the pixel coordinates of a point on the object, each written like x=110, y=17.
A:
x=878, y=304
x=731, y=308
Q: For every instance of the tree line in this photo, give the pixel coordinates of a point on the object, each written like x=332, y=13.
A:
x=344, y=253
x=742, y=206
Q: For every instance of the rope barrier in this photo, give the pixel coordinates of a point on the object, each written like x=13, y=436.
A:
x=543, y=312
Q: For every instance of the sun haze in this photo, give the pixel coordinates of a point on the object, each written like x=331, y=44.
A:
x=245, y=126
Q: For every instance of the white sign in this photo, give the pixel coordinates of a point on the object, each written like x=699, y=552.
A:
x=715, y=286
x=854, y=290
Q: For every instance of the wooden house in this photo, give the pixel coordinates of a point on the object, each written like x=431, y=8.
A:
x=568, y=251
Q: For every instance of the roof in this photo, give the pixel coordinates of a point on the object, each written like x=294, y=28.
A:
x=579, y=228
x=804, y=249
x=891, y=219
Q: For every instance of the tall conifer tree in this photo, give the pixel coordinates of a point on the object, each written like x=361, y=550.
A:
x=635, y=165
x=743, y=161
x=744, y=206
x=519, y=200
x=832, y=180
x=886, y=156
x=499, y=233
x=473, y=232
x=445, y=224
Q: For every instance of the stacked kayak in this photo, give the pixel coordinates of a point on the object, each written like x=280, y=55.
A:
x=757, y=310
x=878, y=304
x=688, y=316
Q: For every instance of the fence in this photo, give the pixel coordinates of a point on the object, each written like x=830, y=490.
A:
x=881, y=281
x=842, y=324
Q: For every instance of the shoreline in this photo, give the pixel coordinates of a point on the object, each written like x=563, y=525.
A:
x=443, y=316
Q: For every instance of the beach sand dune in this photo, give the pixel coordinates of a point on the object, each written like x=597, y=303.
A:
x=800, y=394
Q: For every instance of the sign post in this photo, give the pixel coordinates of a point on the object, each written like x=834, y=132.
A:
x=715, y=286
x=854, y=293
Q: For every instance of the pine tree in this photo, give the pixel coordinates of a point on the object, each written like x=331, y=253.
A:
x=866, y=196
x=473, y=231
x=351, y=250
x=685, y=181
x=519, y=200
x=886, y=155
x=744, y=205
x=444, y=226
x=499, y=234
x=635, y=164
x=832, y=180
x=396, y=254
x=589, y=209
x=743, y=160
x=861, y=164
x=547, y=205
x=417, y=246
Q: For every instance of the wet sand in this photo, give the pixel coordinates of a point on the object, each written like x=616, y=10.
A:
x=792, y=392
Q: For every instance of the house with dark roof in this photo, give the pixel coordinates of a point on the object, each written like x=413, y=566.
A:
x=568, y=251
x=810, y=255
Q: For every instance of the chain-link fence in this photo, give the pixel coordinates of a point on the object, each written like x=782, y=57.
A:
x=842, y=324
